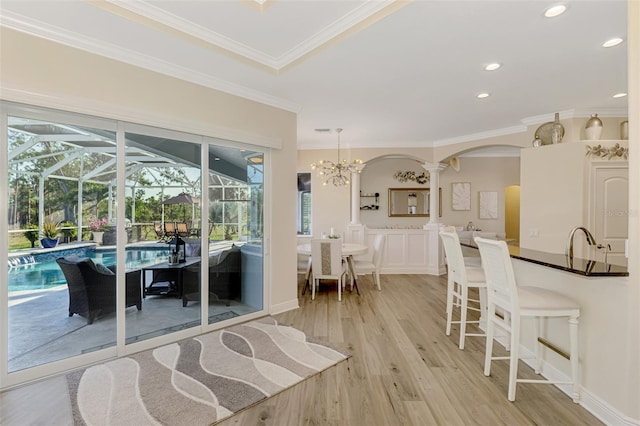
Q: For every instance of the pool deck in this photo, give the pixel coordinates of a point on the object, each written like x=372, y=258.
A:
x=40, y=329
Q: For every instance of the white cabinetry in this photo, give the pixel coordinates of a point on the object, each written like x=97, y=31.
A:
x=406, y=250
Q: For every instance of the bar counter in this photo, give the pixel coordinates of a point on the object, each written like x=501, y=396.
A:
x=588, y=268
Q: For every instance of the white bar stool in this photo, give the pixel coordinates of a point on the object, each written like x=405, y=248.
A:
x=459, y=278
x=517, y=302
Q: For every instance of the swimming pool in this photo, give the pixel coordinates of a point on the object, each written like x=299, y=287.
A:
x=44, y=273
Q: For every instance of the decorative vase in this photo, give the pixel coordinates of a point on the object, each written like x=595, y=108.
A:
x=624, y=130
x=97, y=237
x=557, y=129
x=593, y=128
x=49, y=242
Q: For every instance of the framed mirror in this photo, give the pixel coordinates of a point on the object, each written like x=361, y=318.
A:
x=411, y=202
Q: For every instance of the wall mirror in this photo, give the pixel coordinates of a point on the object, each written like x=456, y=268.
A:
x=411, y=202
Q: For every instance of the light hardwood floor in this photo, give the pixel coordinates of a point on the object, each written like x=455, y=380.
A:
x=403, y=369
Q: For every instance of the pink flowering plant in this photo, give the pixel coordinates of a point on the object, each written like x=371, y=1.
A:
x=98, y=225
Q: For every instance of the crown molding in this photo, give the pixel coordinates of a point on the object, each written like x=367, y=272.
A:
x=108, y=50
x=575, y=113
x=330, y=32
x=479, y=136
x=423, y=144
x=276, y=63
x=148, y=11
x=502, y=151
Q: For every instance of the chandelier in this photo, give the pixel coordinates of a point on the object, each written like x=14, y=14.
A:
x=337, y=173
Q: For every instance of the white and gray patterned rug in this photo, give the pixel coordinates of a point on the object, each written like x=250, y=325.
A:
x=201, y=380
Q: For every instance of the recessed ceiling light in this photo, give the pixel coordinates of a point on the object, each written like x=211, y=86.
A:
x=613, y=42
x=492, y=67
x=554, y=11
x=620, y=95
x=482, y=95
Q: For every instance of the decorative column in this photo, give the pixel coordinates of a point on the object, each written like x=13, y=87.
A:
x=355, y=230
x=435, y=252
x=355, y=198
x=434, y=170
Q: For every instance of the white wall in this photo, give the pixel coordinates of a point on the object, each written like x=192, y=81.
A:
x=484, y=174
x=630, y=361
x=551, y=195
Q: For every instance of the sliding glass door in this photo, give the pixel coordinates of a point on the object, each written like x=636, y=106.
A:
x=61, y=231
x=163, y=185
x=168, y=222
x=236, y=188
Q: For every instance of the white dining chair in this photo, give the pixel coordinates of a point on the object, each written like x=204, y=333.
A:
x=327, y=264
x=372, y=266
x=304, y=264
x=516, y=302
x=459, y=278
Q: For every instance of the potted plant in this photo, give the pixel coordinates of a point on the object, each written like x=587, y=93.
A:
x=97, y=228
x=49, y=234
x=31, y=234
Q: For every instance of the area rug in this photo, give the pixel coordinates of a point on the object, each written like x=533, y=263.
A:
x=201, y=380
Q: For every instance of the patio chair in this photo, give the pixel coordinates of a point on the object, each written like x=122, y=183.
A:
x=182, y=229
x=169, y=229
x=157, y=227
x=224, y=278
x=92, y=288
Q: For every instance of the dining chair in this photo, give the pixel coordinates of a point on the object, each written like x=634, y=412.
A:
x=327, y=264
x=517, y=302
x=304, y=264
x=459, y=278
x=372, y=266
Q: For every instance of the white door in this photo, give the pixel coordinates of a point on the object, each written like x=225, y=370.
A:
x=610, y=207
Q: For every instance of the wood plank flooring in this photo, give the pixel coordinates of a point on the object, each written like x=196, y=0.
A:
x=403, y=369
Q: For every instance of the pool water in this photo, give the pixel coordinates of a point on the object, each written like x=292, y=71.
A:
x=45, y=274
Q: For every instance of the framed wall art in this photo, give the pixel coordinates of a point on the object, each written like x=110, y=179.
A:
x=488, y=205
x=461, y=196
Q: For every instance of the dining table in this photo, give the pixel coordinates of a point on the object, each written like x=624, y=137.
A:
x=348, y=251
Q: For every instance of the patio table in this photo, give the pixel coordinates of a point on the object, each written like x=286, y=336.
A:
x=175, y=269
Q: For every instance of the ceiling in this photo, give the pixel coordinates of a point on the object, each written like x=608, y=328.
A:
x=392, y=74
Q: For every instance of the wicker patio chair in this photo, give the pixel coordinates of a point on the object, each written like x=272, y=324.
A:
x=92, y=288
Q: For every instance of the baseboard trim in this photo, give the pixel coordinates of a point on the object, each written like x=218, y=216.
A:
x=284, y=307
x=589, y=401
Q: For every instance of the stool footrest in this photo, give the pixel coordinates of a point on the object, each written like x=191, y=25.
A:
x=551, y=382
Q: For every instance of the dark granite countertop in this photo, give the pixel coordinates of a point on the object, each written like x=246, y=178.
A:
x=588, y=268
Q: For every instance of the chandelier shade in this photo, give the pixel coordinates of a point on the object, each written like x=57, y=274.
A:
x=337, y=173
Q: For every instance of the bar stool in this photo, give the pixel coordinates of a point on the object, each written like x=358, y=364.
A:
x=517, y=302
x=459, y=278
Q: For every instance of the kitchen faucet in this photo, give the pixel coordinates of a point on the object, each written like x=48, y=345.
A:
x=590, y=240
